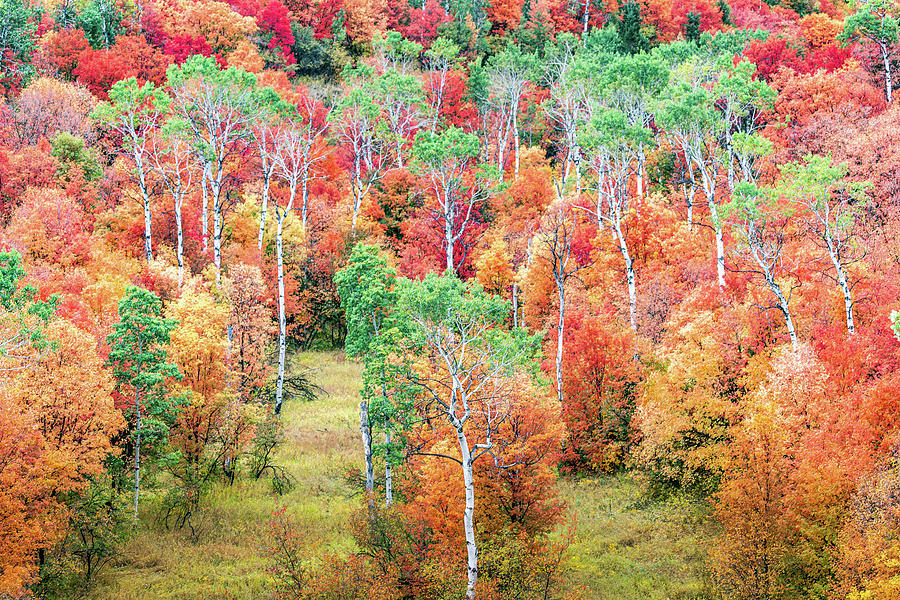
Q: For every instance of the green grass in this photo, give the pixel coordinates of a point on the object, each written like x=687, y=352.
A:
x=624, y=548
x=627, y=547
x=321, y=446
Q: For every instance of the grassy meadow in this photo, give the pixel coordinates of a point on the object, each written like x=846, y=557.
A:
x=626, y=548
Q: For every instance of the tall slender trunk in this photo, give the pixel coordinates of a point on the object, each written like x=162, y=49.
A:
x=629, y=276
x=448, y=235
x=515, y=303
x=586, y=16
x=217, y=228
x=137, y=437
x=516, y=140
x=366, y=430
x=888, y=83
x=845, y=289
x=785, y=309
x=560, y=327
x=709, y=189
x=179, y=232
x=305, y=199
x=145, y=196
x=282, y=324
x=357, y=193
x=469, y=514
x=204, y=218
x=388, y=476
x=267, y=179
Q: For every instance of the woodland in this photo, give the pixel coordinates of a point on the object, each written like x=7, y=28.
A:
x=444, y=299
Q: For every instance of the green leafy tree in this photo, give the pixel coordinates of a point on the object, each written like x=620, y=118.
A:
x=369, y=294
x=22, y=315
x=470, y=359
x=876, y=23
x=101, y=21
x=18, y=23
x=692, y=27
x=831, y=207
x=218, y=106
x=458, y=183
x=72, y=153
x=133, y=111
x=139, y=358
x=631, y=38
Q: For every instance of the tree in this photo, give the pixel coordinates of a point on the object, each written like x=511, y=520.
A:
x=402, y=99
x=567, y=106
x=830, y=205
x=557, y=234
x=250, y=327
x=357, y=119
x=139, y=354
x=466, y=373
x=369, y=295
x=761, y=230
x=689, y=116
x=217, y=106
x=22, y=315
x=133, y=111
x=18, y=24
x=613, y=146
x=263, y=132
x=875, y=23
x=509, y=73
x=458, y=185
x=628, y=27
x=298, y=146
x=172, y=161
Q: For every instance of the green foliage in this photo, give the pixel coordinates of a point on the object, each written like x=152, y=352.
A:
x=628, y=26
x=873, y=22
x=101, y=21
x=18, y=23
x=453, y=144
x=22, y=313
x=73, y=154
x=313, y=57
x=462, y=309
x=139, y=358
x=130, y=102
x=369, y=295
x=725, y=10
x=692, y=27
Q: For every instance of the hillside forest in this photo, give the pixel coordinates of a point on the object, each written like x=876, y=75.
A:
x=559, y=259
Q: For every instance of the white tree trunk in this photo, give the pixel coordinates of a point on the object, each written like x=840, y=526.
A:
x=366, y=430
x=179, y=250
x=204, y=218
x=388, y=475
x=888, y=84
x=515, y=303
x=560, y=327
x=137, y=440
x=516, y=140
x=469, y=514
x=282, y=323
x=265, y=206
x=145, y=196
x=785, y=309
x=845, y=289
x=629, y=276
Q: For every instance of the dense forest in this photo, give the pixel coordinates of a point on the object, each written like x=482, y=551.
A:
x=540, y=260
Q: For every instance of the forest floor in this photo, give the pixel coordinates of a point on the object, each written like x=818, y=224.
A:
x=626, y=547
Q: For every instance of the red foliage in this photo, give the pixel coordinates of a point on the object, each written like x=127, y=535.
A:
x=63, y=48
x=771, y=55
x=424, y=22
